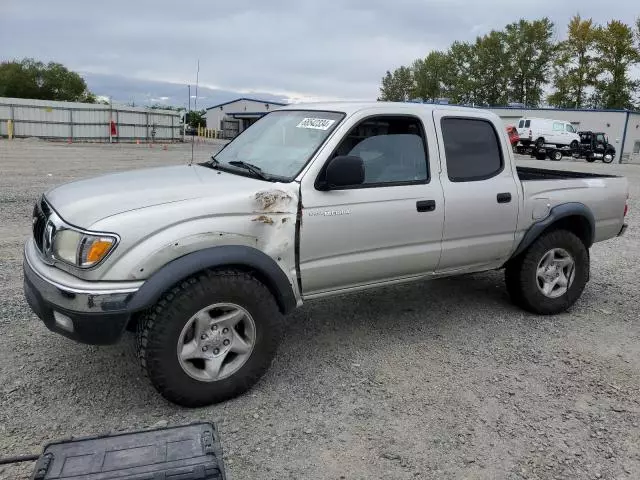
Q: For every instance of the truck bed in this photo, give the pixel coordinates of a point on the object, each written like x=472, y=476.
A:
x=531, y=174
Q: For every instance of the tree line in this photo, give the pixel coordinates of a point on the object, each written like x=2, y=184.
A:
x=524, y=64
x=28, y=78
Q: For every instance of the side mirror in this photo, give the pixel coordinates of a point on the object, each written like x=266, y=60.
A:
x=344, y=171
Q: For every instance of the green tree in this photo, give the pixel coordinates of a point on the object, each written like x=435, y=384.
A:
x=160, y=106
x=430, y=76
x=530, y=50
x=29, y=78
x=197, y=118
x=397, y=86
x=460, y=86
x=489, y=70
x=574, y=67
x=617, y=53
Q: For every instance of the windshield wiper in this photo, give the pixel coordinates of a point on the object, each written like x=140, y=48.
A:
x=213, y=163
x=257, y=171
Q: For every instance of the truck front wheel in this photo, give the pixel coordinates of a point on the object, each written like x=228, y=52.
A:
x=549, y=277
x=210, y=338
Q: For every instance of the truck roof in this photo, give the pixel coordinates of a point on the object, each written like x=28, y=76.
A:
x=350, y=107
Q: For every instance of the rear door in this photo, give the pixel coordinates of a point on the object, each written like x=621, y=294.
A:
x=481, y=193
x=523, y=128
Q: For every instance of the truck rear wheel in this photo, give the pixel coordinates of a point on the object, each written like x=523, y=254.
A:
x=549, y=277
x=210, y=338
x=556, y=155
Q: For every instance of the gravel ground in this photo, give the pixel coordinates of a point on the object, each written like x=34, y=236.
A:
x=431, y=380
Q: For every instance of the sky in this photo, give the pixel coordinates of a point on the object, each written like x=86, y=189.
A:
x=291, y=50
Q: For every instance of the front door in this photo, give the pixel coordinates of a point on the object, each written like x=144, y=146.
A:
x=386, y=229
x=481, y=209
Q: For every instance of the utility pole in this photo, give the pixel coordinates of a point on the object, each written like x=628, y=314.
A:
x=186, y=114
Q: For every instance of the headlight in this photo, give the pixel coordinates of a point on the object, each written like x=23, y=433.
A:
x=82, y=250
x=65, y=245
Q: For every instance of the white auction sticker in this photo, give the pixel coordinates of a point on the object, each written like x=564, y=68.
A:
x=316, y=123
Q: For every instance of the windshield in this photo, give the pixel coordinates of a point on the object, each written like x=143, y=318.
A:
x=281, y=143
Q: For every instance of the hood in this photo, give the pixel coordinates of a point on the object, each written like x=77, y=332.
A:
x=84, y=202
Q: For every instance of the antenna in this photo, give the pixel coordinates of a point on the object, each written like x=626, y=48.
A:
x=195, y=107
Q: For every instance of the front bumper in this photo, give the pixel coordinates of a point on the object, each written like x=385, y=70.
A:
x=88, y=312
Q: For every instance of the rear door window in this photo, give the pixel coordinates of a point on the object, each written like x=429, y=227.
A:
x=472, y=149
x=527, y=124
x=521, y=124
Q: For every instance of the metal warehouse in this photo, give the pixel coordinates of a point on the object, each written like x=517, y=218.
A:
x=86, y=122
x=233, y=117
x=621, y=126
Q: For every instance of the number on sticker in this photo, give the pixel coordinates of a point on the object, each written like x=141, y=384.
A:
x=316, y=123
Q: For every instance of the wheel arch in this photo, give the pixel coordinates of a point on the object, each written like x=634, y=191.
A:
x=574, y=217
x=243, y=258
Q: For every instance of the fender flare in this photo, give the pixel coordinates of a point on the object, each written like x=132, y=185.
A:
x=558, y=212
x=222, y=256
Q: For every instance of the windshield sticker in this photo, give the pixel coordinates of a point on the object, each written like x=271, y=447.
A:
x=316, y=123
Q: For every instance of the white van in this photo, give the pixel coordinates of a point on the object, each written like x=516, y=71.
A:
x=542, y=131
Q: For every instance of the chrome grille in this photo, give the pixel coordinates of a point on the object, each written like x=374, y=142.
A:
x=41, y=213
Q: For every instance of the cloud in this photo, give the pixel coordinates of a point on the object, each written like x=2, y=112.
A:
x=294, y=49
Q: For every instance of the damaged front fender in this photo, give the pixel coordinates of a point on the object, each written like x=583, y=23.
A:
x=266, y=269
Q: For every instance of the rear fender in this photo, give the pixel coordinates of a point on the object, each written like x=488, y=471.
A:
x=557, y=213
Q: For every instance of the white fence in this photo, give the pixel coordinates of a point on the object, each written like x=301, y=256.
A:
x=86, y=122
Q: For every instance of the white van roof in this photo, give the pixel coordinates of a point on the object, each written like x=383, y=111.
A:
x=544, y=119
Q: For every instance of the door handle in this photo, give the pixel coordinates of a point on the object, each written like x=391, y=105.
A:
x=504, y=197
x=426, y=205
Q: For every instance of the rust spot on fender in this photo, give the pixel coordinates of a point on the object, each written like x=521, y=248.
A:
x=263, y=219
x=273, y=200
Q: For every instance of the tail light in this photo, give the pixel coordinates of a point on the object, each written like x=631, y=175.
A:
x=530, y=134
x=626, y=206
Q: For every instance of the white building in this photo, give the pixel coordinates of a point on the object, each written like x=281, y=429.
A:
x=621, y=126
x=233, y=117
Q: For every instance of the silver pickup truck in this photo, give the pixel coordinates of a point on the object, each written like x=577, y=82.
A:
x=203, y=261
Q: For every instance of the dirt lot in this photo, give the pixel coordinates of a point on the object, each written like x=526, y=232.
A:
x=432, y=380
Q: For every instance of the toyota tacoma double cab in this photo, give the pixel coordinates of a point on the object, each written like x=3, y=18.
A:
x=203, y=261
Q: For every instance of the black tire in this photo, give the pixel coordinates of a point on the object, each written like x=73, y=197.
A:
x=540, y=142
x=556, y=155
x=574, y=145
x=607, y=160
x=590, y=159
x=541, y=156
x=520, y=274
x=159, y=331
